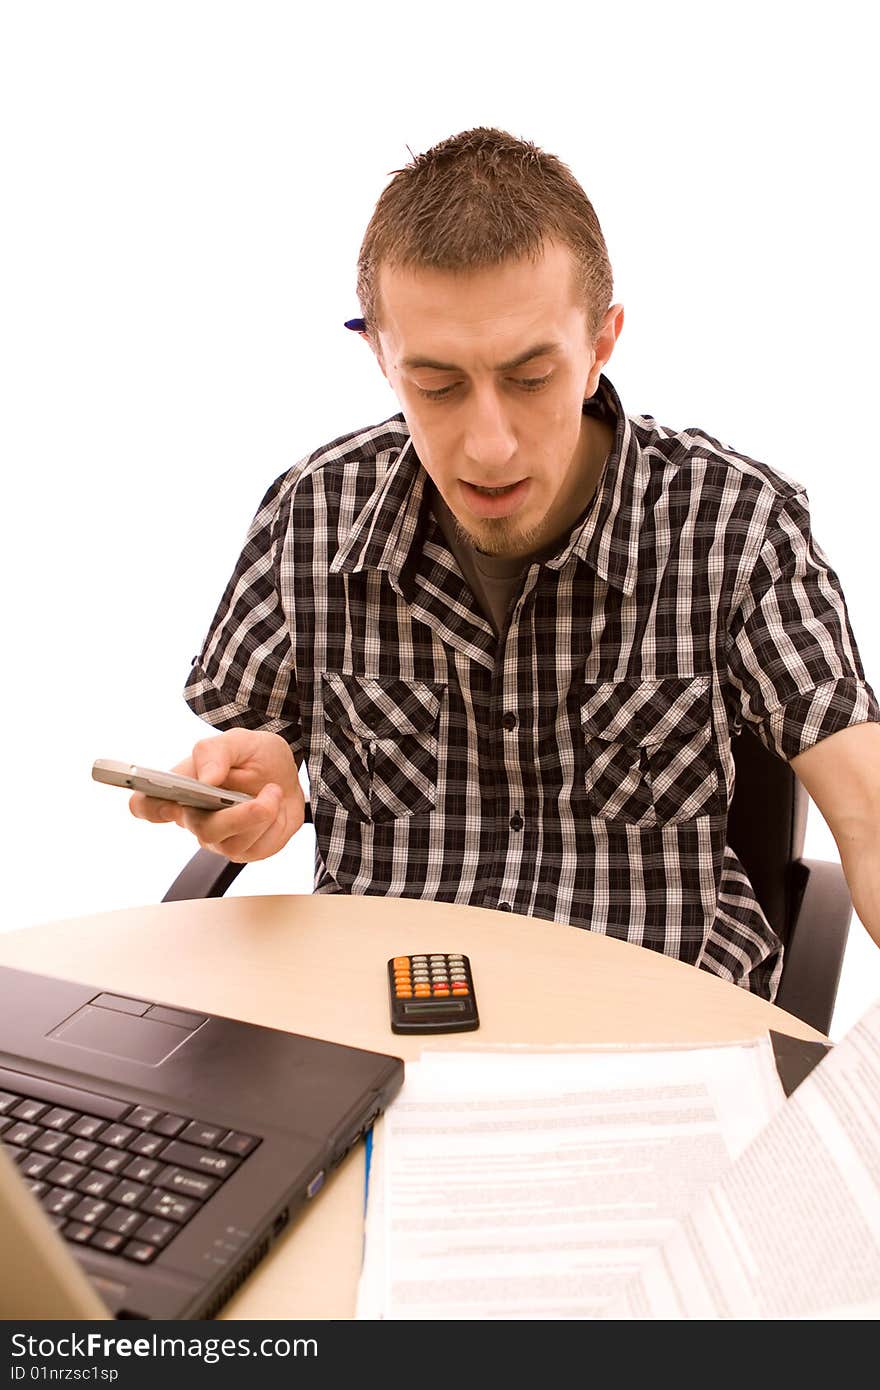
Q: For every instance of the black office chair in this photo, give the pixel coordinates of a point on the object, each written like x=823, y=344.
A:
x=806, y=902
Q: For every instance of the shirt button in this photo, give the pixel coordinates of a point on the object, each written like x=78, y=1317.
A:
x=516, y=821
x=509, y=720
x=504, y=907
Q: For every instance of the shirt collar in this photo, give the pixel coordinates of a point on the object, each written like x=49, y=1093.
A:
x=607, y=539
x=383, y=533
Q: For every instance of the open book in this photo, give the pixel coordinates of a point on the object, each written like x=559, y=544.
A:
x=628, y=1183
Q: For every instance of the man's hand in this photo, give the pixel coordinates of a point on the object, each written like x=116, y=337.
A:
x=244, y=761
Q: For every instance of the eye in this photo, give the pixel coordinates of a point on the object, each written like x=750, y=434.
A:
x=533, y=383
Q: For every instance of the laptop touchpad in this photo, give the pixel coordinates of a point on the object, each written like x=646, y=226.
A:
x=145, y=1040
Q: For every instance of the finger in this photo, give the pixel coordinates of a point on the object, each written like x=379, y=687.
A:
x=269, y=843
x=154, y=809
x=214, y=758
x=237, y=826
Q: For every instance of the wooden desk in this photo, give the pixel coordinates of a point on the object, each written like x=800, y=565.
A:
x=275, y=961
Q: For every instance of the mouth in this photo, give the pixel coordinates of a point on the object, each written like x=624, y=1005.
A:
x=487, y=501
x=492, y=491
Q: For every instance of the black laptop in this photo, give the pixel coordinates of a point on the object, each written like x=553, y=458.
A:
x=171, y=1147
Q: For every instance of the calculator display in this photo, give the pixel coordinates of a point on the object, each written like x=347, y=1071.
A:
x=457, y=1007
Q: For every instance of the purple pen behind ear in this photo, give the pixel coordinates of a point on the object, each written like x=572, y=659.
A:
x=356, y=325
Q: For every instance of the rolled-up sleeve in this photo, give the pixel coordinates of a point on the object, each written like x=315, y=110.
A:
x=793, y=662
x=244, y=676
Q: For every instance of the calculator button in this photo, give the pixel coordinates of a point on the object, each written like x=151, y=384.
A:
x=440, y=989
x=460, y=989
x=401, y=961
x=421, y=991
x=403, y=992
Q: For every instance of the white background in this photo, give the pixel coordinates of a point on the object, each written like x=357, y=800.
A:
x=185, y=187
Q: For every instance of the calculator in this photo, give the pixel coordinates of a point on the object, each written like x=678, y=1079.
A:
x=432, y=994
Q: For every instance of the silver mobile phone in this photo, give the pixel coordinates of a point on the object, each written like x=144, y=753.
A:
x=168, y=786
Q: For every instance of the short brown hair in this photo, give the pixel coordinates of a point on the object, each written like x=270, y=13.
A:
x=475, y=200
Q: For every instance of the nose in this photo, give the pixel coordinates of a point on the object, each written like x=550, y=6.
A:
x=489, y=442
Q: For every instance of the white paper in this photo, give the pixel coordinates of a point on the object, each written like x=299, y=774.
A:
x=524, y=1184
x=792, y=1231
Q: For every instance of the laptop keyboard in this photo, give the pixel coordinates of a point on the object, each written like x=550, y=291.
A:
x=120, y=1178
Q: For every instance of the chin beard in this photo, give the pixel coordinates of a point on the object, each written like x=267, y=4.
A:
x=500, y=537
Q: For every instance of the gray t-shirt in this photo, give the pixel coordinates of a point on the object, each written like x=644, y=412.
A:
x=494, y=579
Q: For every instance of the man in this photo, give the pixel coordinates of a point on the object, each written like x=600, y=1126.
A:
x=510, y=630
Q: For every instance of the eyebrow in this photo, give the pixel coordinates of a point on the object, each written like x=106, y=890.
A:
x=539, y=350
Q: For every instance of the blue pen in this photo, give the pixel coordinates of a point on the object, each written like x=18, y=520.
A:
x=368, y=1154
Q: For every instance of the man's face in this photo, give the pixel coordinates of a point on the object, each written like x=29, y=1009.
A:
x=491, y=369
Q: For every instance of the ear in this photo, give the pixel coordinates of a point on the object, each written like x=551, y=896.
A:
x=609, y=331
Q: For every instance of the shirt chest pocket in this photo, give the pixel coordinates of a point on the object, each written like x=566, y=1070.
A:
x=650, y=749
x=379, y=760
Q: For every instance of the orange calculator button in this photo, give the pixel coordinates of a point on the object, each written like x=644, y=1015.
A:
x=403, y=992
x=460, y=989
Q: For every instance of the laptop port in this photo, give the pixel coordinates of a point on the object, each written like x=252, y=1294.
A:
x=280, y=1221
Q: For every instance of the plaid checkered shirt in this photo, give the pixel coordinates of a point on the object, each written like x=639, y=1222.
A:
x=579, y=767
